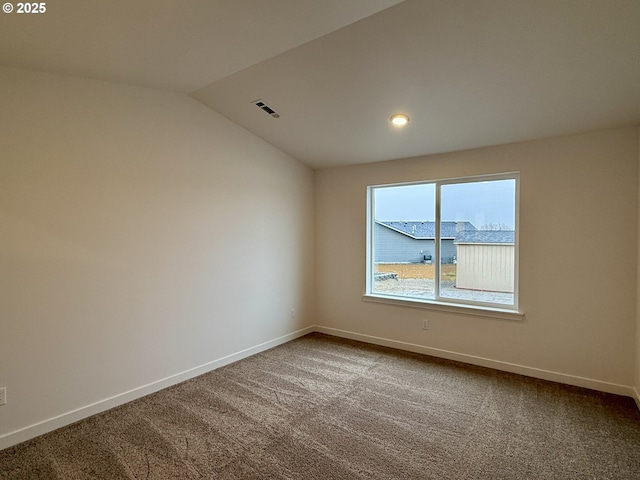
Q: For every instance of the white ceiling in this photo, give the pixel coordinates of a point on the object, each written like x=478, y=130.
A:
x=469, y=73
x=180, y=45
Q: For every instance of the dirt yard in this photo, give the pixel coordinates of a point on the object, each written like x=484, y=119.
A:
x=416, y=280
x=418, y=270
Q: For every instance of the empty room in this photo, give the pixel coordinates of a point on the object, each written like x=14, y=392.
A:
x=320, y=239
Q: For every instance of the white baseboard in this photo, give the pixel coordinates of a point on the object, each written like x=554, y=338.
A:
x=636, y=397
x=624, y=390
x=40, y=428
x=32, y=431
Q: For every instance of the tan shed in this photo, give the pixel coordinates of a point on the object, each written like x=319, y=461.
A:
x=486, y=260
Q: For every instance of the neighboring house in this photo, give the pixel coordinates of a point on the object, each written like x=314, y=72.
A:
x=414, y=242
x=486, y=260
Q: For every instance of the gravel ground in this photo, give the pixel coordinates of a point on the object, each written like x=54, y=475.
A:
x=423, y=288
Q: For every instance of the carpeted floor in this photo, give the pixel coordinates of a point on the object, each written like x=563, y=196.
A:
x=327, y=408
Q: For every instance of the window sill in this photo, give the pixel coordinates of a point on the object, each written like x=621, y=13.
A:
x=460, y=309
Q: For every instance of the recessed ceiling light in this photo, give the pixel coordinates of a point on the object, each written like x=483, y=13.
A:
x=399, y=119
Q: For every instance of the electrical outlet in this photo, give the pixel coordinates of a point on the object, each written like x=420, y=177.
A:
x=293, y=313
x=3, y=395
x=425, y=324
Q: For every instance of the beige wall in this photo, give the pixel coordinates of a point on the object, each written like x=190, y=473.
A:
x=578, y=230
x=141, y=235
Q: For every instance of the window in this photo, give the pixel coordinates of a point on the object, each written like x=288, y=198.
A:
x=451, y=241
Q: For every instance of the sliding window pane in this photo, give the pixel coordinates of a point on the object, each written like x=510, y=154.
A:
x=477, y=241
x=404, y=241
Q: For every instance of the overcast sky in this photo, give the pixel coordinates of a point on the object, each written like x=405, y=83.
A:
x=480, y=203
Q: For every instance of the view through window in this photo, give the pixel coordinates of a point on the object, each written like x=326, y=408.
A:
x=461, y=232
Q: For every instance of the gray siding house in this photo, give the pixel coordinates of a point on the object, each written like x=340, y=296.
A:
x=414, y=242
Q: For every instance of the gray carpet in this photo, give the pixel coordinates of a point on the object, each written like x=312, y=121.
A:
x=327, y=408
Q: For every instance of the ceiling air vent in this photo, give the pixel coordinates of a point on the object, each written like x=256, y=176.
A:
x=260, y=104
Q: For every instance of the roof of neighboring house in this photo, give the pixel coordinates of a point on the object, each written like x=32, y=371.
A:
x=486, y=236
x=460, y=232
x=427, y=230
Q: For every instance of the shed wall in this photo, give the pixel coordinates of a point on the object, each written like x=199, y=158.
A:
x=486, y=267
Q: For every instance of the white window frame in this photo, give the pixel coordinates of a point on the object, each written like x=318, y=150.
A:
x=445, y=304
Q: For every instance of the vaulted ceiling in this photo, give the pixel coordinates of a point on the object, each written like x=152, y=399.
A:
x=468, y=73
